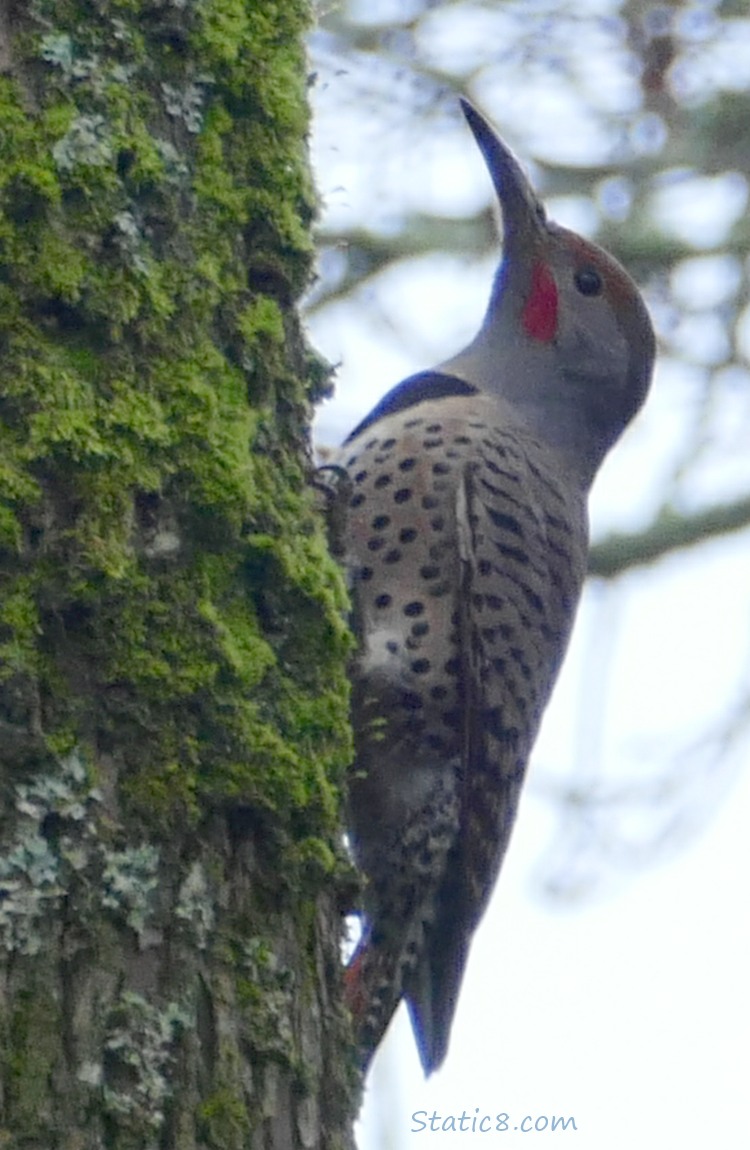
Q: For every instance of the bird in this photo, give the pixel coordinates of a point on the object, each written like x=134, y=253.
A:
x=464, y=536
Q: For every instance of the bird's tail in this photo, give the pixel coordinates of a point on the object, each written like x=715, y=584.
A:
x=431, y=992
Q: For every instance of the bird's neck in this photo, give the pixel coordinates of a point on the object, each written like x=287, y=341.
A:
x=549, y=399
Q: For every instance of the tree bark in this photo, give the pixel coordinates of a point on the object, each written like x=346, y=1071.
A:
x=173, y=700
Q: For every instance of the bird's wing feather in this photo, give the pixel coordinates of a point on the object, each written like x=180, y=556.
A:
x=521, y=566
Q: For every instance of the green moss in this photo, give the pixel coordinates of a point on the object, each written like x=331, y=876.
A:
x=224, y=1122
x=224, y=32
x=154, y=413
x=28, y=1051
x=19, y=628
x=168, y=608
x=262, y=320
x=315, y=856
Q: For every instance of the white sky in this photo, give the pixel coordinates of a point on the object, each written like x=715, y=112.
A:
x=630, y=1011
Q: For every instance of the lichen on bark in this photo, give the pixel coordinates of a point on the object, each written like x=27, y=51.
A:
x=171, y=625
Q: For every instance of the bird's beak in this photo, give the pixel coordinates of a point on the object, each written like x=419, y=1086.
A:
x=524, y=219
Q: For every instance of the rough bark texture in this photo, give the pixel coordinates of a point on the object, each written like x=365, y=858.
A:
x=172, y=694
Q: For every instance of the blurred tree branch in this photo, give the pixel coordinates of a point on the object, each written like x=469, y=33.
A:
x=671, y=531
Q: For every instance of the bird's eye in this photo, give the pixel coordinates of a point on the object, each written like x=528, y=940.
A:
x=588, y=281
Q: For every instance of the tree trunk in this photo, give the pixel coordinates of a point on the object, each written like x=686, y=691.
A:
x=173, y=703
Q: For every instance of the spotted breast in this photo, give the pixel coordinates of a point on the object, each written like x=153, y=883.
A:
x=466, y=555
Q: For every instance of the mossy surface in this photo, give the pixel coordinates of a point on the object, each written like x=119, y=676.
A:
x=165, y=584
x=173, y=698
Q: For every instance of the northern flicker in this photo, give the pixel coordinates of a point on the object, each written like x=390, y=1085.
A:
x=465, y=541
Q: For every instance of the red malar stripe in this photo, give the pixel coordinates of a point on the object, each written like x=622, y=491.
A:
x=540, y=310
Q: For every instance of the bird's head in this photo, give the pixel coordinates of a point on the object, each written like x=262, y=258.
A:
x=567, y=338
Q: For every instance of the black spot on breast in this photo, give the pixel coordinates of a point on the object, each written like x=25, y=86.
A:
x=403, y=495
x=376, y=543
x=370, y=444
x=430, y=502
x=513, y=553
x=407, y=464
x=434, y=428
x=441, y=468
x=505, y=522
x=411, y=701
x=484, y=567
x=420, y=666
x=437, y=523
x=494, y=602
x=383, y=601
x=414, y=608
x=380, y=522
x=557, y=524
x=452, y=719
x=357, y=500
x=387, y=444
x=382, y=481
x=496, y=447
x=391, y=646
x=429, y=443
x=520, y=660
x=492, y=718
x=392, y=556
x=440, y=550
x=497, y=491
x=438, y=692
x=360, y=477
x=534, y=600
x=420, y=629
x=452, y=667
x=407, y=535
x=365, y=573
x=429, y=571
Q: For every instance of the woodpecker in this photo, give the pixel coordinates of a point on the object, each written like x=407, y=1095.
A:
x=465, y=541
